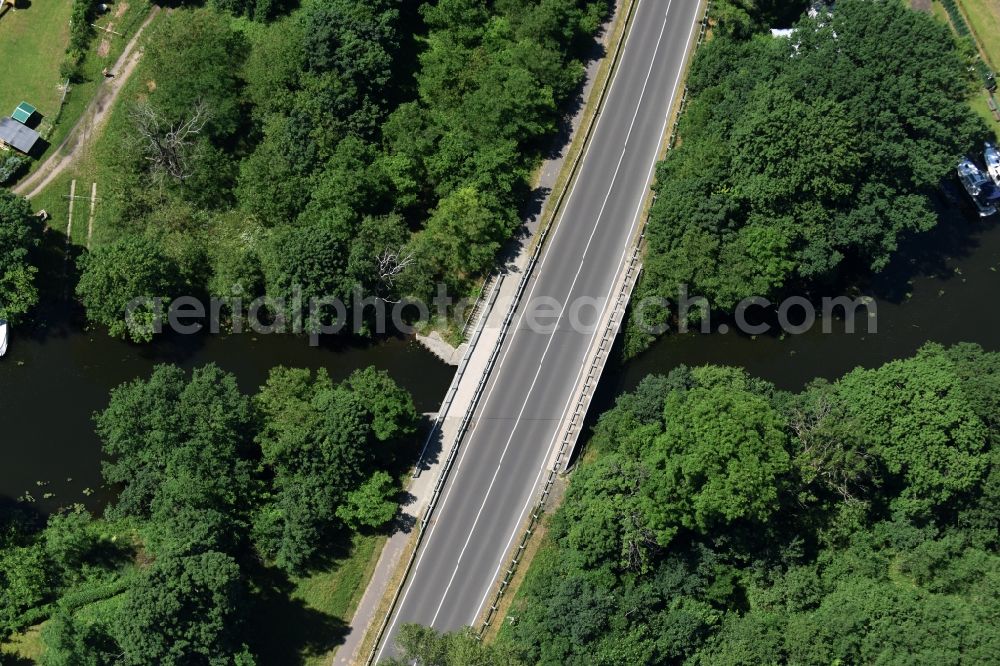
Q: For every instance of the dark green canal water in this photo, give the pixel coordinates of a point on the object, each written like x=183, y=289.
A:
x=942, y=288
x=52, y=382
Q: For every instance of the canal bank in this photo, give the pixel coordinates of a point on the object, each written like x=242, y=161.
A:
x=55, y=377
x=942, y=287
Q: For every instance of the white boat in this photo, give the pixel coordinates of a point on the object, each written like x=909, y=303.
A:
x=992, y=156
x=3, y=337
x=981, y=189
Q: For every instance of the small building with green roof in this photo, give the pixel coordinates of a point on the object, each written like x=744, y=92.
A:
x=23, y=113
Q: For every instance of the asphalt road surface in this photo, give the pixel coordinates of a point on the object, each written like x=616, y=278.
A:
x=501, y=462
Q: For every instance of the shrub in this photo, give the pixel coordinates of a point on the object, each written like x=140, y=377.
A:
x=80, y=32
x=10, y=166
x=79, y=25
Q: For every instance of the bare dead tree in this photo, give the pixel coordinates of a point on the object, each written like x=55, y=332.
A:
x=168, y=148
x=389, y=265
x=826, y=456
x=639, y=542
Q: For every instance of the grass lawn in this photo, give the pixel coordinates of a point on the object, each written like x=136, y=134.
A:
x=978, y=102
x=125, y=18
x=25, y=647
x=939, y=12
x=295, y=621
x=989, y=41
x=984, y=18
x=32, y=47
x=300, y=620
x=54, y=201
x=87, y=170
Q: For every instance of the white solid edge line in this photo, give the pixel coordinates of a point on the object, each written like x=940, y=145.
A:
x=469, y=437
x=569, y=402
x=562, y=312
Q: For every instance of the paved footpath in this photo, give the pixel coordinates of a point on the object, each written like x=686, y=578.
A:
x=421, y=488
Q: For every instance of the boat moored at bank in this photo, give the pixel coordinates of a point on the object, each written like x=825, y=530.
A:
x=980, y=188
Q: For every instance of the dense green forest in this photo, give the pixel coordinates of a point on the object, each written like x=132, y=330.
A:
x=307, y=151
x=725, y=522
x=20, y=236
x=265, y=147
x=721, y=521
x=270, y=146
x=220, y=494
x=801, y=157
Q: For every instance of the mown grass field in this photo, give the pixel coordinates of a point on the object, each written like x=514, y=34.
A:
x=984, y=19
x=25, y=647
x=301, y=621
x=125, y=19
x=32, y=47
x=980, y=106
x=294, y=621
x=99, y=603
x=33, y=43
x=87, y=169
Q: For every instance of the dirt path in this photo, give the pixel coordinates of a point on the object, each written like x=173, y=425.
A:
x=93, y=117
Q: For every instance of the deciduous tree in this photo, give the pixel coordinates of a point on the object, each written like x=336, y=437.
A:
x=127, y=286
x=19, y=235
x=185, y=610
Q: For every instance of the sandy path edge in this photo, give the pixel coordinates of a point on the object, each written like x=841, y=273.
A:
x=93, y=117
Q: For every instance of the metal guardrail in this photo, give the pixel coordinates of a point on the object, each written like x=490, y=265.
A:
x=571, y=435
x=463, y=427
x=576, y=421
x=478, y=308
x=480, y=387
x=578, y=159
x=438, y=420
x=631, y=279
x=600, y=358
x=449, y=397
x=525, y=277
